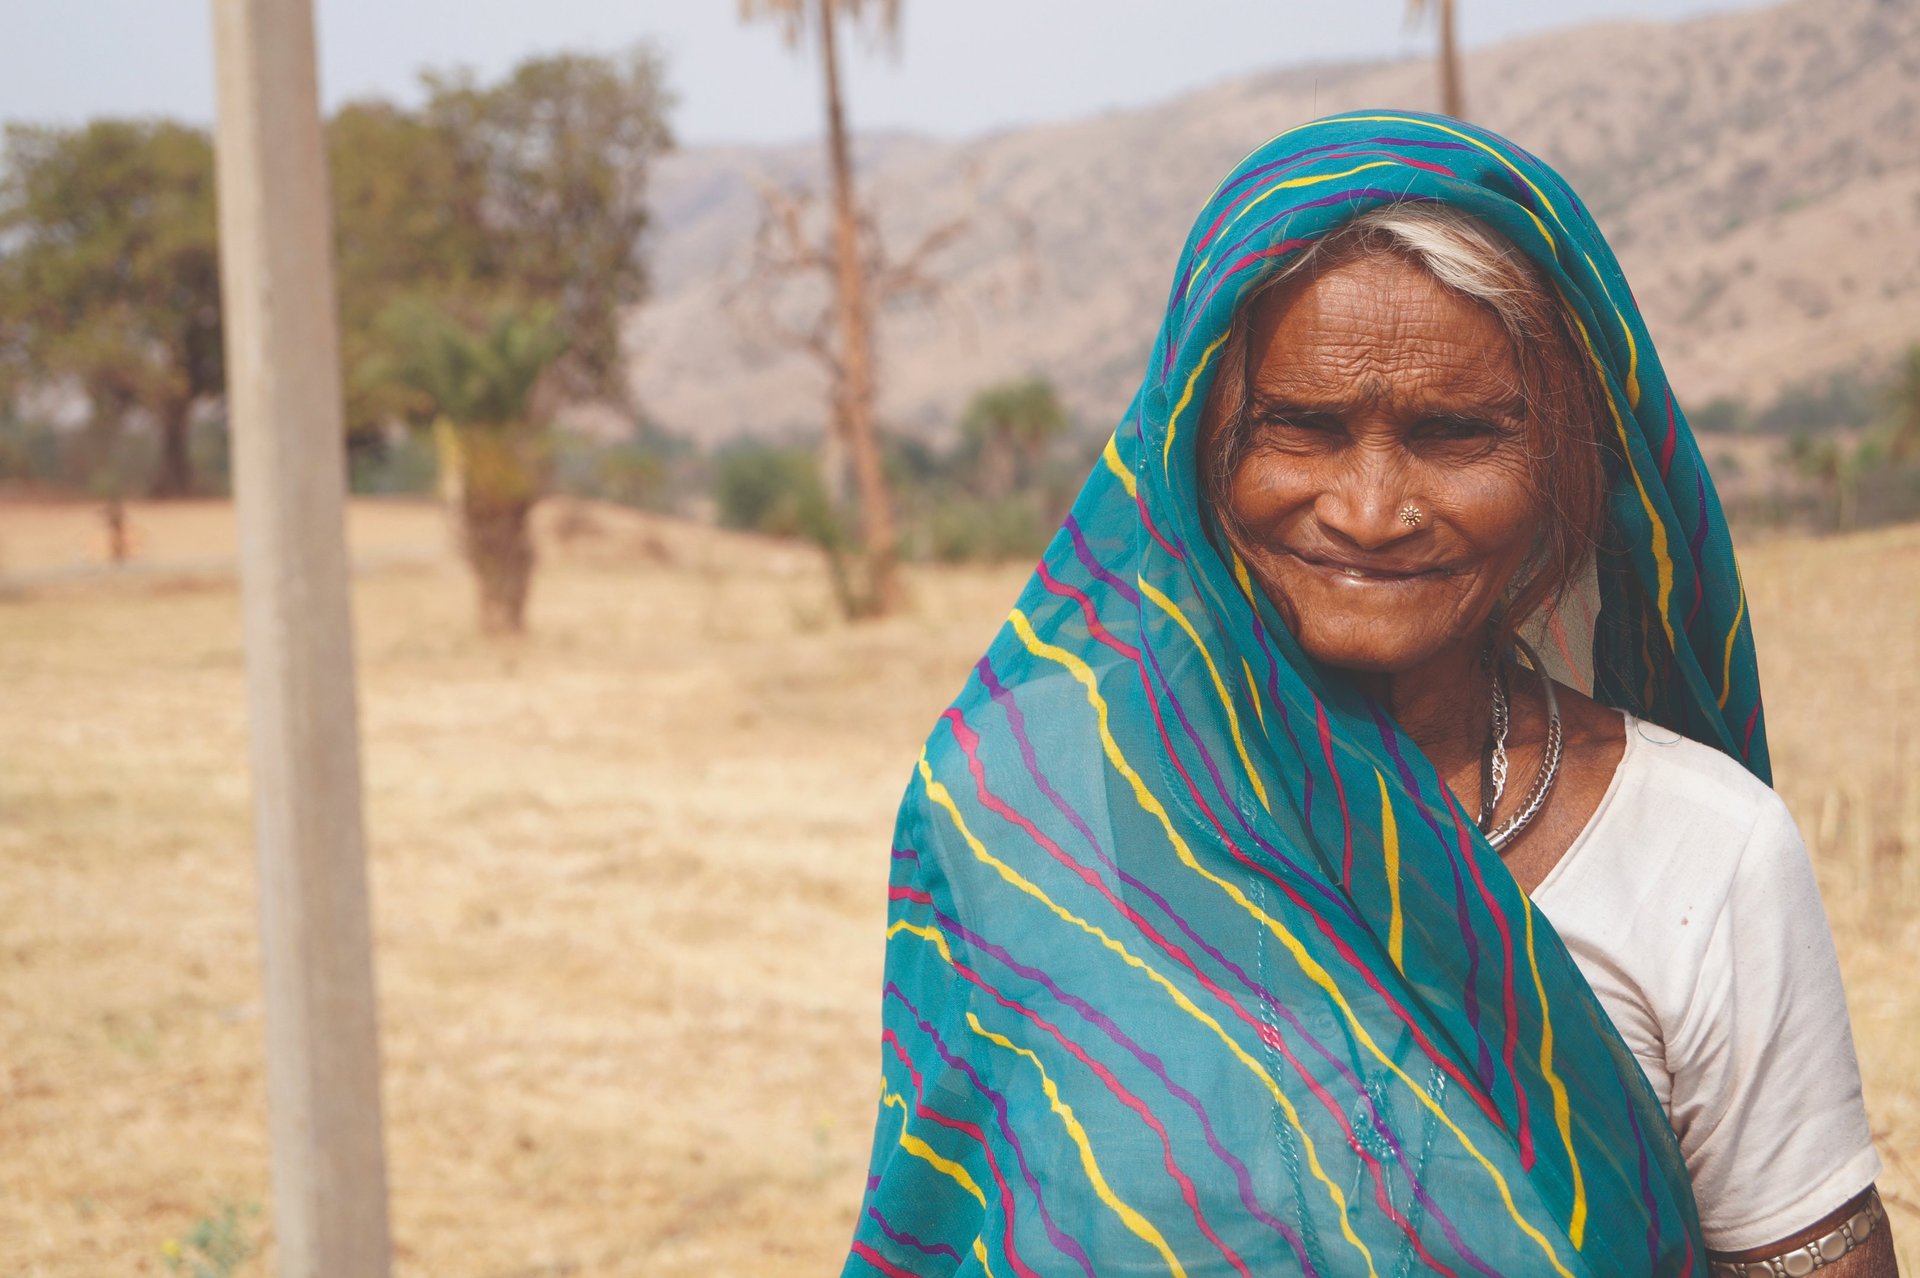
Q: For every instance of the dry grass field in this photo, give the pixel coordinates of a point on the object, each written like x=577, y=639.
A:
x=628, y=883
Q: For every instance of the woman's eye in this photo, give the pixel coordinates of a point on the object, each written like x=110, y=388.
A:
x=1310, y=423
x=1448, y=428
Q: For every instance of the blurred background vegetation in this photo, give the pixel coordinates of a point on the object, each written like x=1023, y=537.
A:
x=489, y=241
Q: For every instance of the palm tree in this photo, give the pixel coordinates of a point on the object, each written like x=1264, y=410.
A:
x=482, y=391
x=1010, y=426
x=853, y=386
x=1452, y=99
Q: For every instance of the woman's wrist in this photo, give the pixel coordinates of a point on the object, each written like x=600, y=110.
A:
x=1820, y=1244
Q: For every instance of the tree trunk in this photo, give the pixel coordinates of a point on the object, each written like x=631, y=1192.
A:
x=503, y=475
x=1452, y=98
x=853, y=407
x=119, y=545
x=174, y=476
x=500, y=548
x=998, y=471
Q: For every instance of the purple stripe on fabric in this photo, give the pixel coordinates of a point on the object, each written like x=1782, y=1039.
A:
x=1297, y=158
x=1017, y=722
x=1067, y=1244
x=1696, y=543
x=906, y=1239
x=1086, y=556
x=1646, y=1182
x=970, y=1130
x=1331, y=897
x=1222, y=272
x=1481, y=1098
x=1510, y=1001
x=1324, y=890
x=1667, y=445
x=1188, y=1191
x=1294, y=159
x=1483, y=1058
x=1286, y=720
x=1249, y=1196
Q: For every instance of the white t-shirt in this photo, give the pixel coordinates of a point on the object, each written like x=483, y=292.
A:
x=1690, y=905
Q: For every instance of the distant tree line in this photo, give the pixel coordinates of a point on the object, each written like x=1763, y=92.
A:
x=1851, y=440
x=487, y=244
x=997, y=490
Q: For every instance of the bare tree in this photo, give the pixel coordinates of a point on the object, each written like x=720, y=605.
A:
x=852, y=419
x=1452, y=97
x=776, y=302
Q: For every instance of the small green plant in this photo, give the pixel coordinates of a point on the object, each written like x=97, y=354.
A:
x=217, y=1245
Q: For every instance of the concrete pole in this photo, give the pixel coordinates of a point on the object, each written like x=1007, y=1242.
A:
x=283, y=394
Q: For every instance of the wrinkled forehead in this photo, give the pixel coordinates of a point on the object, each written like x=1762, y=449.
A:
x=1375, y=328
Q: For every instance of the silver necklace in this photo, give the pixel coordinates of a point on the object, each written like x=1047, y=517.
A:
x=1494, y=767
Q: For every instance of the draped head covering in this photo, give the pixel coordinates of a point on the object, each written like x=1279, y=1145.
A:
x=1194, y=966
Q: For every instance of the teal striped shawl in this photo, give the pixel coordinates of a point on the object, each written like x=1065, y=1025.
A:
x=1193, y=966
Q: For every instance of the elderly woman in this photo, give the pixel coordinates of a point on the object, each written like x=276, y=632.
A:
x=1268, y=902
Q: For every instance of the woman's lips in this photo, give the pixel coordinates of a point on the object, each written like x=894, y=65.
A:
x=1347, y=570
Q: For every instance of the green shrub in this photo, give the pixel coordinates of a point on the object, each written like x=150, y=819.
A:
x=216, y=1247
x=774, y=490
x=976, y=529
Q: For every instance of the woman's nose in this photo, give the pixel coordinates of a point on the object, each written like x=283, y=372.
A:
x=1363, y=500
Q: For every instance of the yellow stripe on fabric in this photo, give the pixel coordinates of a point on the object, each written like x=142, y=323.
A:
x=1390, y=851
x=980, y=1252
x=1141, y=1227
x=1186, y=396
x=1288, y=184
x=925, y=1153
x=1306, y=962
x=1626, y=331
x=1726, y=665
x=1200, y=267
x=926, y=934
x=1111, y=456
x=940, y=795
x=1562, y=1108
x=1240, y=574
x=1662, y=555
x=1633, y=354
x=1172, y=609
x=1633, y=351
x=1464, y=137
x=1253, y=688
x=1253, y=694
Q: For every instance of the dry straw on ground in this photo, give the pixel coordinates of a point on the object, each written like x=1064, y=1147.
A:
x=628, y=880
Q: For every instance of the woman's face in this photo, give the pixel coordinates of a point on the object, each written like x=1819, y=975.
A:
x=1375, y=388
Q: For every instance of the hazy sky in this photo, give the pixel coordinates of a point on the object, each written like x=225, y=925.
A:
x=965, y=66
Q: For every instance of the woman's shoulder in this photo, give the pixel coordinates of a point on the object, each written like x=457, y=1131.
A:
x=1680, y=821
x=1676, y=775
x=1663, y=768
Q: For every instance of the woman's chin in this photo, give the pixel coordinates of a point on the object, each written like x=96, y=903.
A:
x=1371, y=658
x=1384, y=631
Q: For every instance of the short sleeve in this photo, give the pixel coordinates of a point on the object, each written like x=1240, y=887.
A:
x=929, y=1174
x=1766, y=1088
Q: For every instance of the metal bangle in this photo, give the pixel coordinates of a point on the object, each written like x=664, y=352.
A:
x=1821, y=1252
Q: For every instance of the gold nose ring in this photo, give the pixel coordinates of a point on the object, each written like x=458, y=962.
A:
x=1410, y=515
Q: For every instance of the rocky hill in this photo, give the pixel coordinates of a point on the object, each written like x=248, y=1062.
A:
x=1758, y=173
